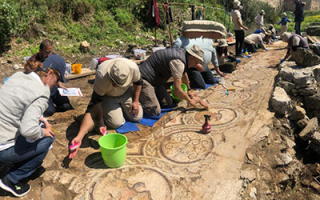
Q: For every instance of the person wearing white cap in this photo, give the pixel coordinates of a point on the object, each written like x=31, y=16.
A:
x=159, y=68
x=238, y=27
x=251, y=40
x=113, y=100
x=227, y=63
x=259, y=19
x=284, y=23
x=200, y=79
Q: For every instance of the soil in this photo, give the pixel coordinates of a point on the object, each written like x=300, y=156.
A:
x=172, y=159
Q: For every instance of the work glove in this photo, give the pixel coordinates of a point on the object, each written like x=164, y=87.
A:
x=238, y=60
x=282, y=60
x=267, y=49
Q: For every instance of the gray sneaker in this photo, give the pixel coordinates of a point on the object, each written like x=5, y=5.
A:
x=20, y=189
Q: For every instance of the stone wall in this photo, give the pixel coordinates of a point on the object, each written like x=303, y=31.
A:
x=290, y=5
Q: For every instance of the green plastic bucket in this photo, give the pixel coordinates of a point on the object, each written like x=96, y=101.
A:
x=184, y=88
x=113, y=148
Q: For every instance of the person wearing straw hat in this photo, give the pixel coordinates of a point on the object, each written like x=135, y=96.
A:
x=23, y=143
x=200, y=79
x=227, y=63
x=299, y=50
x=159, y=68
x=238, y=27
x=284, y=23
x=253, y=39
x=114, y=100
x=259, y=19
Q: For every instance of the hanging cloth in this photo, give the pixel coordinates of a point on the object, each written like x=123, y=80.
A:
x=170, y=15
x=154, y=17
x=193, y=13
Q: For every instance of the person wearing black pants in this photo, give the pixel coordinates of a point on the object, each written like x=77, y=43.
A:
x=238, y=27
x=239, y=41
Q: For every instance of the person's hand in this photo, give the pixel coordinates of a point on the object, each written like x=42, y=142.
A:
x=77, y=140
x=134, y=109
x=201, y=102
x=238, y=60
x=47, y=124
x=193, y=103
x=60, y=84
x=245, y=28
x=282, y=60
x=199, y=67
x=48, y=132
x=267, y=49
x=103, y=130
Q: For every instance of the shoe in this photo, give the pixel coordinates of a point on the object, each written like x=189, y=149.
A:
x=20, y=189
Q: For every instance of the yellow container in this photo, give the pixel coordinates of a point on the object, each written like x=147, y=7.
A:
x=76, y=68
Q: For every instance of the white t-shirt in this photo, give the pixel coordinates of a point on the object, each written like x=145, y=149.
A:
x=235, y=14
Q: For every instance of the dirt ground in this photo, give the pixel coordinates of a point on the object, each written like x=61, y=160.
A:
x=171, y=160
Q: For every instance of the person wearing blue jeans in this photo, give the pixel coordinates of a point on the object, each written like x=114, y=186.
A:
x=23, y=99
x=200, y=79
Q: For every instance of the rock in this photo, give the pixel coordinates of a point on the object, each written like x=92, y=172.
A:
x=308, y=91
x=290, y=143
x=316, y=138
x=316, y=72
x=283, y=179
x=313, y=30
x=308, y=131
x=262, y=133
x=287, y=86
x=250, y=156
x=283, y=159
x=253, y=193
x=297, y=114
x=315, y=148
x=312, y=102
x=302, y=123
x=84, y=47
x=248, y=174
x=303, y=79
x=286, y=74
x=49, y=193
x=281, y=102
x=16, y=66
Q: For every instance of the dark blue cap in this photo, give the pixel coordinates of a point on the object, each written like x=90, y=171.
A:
x=56, y=62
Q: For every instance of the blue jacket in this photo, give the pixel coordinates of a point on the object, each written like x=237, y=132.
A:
x=284, y=21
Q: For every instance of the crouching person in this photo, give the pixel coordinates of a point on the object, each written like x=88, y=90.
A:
x=162, y=65
x=23, y=143
x=113, y=98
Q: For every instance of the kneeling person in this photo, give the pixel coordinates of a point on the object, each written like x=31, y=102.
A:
x=113, y=98
x=162, y=65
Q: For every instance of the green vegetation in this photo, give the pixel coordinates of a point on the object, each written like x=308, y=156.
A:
x=111, y=23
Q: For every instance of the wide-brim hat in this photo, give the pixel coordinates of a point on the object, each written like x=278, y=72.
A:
x=120, y=73
x=268, y=33
x=56, y=62
x=262, y=12
x=236, y=4
x=285, y=36
x=285, y=14
x=196, y=52
x=222, y=43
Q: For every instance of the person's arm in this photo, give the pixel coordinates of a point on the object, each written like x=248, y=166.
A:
x=29, y=123
x=186, y=81
x=241, y=25
x=134, y=109
x=94, y=111
x=215, y=63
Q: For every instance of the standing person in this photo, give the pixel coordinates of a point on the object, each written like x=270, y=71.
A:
x=23, y=143
x=298, y=16
x=284, y=23
x=238, y=27
x=113, y=98
x=259, y=19
x=162, y=65
x=200, y=79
